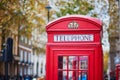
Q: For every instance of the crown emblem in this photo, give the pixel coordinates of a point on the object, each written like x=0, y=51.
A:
x=73, y=25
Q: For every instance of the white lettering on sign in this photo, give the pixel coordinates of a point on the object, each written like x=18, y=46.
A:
x=73, y=38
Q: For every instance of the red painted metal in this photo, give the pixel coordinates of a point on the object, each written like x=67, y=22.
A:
x=118, y=72
x=70, y=40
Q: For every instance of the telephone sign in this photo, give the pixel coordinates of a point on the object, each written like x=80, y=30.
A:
x=73, y=37
x=74, y=49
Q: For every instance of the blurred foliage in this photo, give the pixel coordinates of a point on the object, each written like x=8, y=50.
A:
x=113, y=28
x=22, y=17
x=35, y=13
x=9, y=18
x=106, y=55
x=22, y=14
x=113, y=12
x=73, y=7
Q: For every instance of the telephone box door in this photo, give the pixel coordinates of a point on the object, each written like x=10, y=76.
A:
x=73, y=65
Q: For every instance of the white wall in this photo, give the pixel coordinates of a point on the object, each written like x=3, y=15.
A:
x=41, y=61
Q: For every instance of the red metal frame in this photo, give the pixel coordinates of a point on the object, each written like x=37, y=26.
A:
x=81, y=38
x=118, y=72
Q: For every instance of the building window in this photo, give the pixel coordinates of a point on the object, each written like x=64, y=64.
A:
x=21, y=55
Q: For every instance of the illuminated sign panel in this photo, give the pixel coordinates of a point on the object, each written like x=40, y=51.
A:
x=73, y=38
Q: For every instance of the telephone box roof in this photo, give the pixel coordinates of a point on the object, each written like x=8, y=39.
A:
x=80, y=17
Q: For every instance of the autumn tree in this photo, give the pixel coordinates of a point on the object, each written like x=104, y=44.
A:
x=22, y=17
x=73, y=7
x=113, y=30
x=36, y=16
x=9, y=17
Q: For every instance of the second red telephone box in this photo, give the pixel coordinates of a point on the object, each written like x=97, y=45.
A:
x=74, y=50
x=118, y=72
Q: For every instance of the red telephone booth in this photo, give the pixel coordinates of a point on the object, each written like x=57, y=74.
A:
x=74, y=50
x=118, y=72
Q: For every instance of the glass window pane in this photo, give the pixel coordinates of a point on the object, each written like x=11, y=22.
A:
x=73, y=75
x=70, y=77
x=84, y=76
x=79, y=75
x=73, y=62
x=62, y=75
x=62, y=62
x=83, y=62
x=65, y=62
